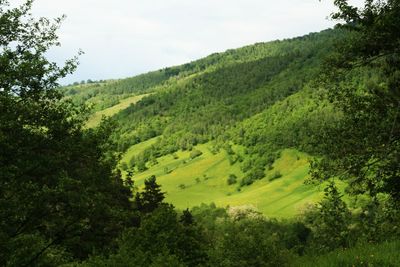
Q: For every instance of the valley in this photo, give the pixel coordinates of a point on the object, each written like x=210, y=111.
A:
x=278, y=153
x=253, y=113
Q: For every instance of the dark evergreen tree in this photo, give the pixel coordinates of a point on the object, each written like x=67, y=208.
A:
x=151, y=196
x=187, y=217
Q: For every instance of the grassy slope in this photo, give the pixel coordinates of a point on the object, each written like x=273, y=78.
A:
x=136, y=149
x=385, y=254
x=204, y=179
x=108, y=112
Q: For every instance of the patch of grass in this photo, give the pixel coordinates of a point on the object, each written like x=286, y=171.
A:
x=384, y=254
x=136, y=149
x=95, y=119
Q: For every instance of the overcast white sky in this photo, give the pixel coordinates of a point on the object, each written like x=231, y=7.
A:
x=122, y=38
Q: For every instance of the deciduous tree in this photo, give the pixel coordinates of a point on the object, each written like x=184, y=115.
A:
x=363, y=78
x=60, y=198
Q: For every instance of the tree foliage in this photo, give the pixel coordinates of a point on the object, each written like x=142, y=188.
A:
x=60, y=198
x=363, y=80
x=329, y=221
x=151, y=197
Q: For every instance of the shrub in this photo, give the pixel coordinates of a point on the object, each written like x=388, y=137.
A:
x=329, y=222
x=132, y=162
x=252, y=176
x=246, y=165
x=163, y=239
x=248, y=242
x=167, y=170
x=232, y=159
x=182, y=186
x=124, y=166
x=195, y=153
x=246, y=181
x=244, y=212
x=275, y=175
x=141, y=166
x=232, y=179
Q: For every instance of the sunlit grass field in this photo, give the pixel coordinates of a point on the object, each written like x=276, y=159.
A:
x=95, y=119
x=190, y=182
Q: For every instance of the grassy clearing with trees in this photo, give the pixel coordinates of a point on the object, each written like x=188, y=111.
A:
x=95, y=118
x=205, y=182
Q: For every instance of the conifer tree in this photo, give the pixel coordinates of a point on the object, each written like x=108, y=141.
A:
x=151, y=197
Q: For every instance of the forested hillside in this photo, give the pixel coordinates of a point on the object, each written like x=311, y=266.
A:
x=260, y=99
x=284, y=153
x=240, y=83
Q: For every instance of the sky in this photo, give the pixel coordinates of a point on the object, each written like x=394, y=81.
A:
x=123, y=38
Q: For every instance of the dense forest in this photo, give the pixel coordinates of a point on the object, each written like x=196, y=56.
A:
x=67, y=199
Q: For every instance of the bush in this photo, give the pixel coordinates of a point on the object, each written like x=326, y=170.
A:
x=161, y=240
x=167, y=170
x=232, y=159
x=252, y=176
x=248, y=242
x=275, y=175
x=244, y=212
x=141, y=166
x=246, y=181
x=195, y=153
x=228, y=149
x=246, y=165
x=124, y=166
x=232, y=179
x=329, y=222
x=182, y=186
x=132, y=162
x=379, y=219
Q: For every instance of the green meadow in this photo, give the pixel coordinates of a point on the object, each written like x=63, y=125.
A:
x=190, y=182
x=95, y=119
